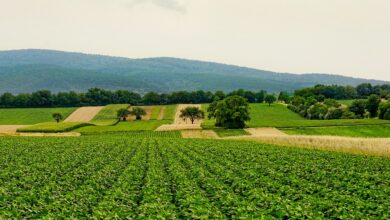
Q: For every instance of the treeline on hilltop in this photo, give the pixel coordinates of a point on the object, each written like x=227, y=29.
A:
x=98, y=97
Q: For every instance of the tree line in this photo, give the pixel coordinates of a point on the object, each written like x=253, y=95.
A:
x=99, y=96
x=361, y=91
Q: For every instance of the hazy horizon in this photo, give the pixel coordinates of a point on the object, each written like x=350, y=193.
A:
x=347, y=37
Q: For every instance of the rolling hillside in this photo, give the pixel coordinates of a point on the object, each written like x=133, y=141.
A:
x=31, y=70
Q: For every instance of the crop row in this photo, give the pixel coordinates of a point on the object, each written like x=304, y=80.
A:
x=126, y=177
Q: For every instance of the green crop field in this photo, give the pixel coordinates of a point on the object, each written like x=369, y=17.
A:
x=124, y=177
x=230, y=132
x=376, y=131
x=49, y=127
x=155, y=112
x=27, y=116
x=169, y=113
x=108, y=115
x=125, y=126
x=277, y=115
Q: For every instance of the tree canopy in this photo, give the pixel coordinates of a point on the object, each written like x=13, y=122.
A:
x=232, y=112
x=192, y=113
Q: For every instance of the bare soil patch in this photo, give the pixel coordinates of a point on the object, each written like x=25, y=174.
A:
x=84, y=114
x=202, y=134
x=161, y=113
x=265, y=132
x=10, y=128
x=67, y=134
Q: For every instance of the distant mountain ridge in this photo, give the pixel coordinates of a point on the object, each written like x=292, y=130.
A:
x=33, y=69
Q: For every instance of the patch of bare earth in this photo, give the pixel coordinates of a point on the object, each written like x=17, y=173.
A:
x=265, y=132
x=84, y=114
x=179, y=123
x=161, y=113
x=10, y=128
x=202, y=134
x=66, y=134
x=148, y=111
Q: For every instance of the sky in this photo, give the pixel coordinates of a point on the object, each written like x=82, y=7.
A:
x=346, y=37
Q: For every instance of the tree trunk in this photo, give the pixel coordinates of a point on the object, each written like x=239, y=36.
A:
x=192, y=120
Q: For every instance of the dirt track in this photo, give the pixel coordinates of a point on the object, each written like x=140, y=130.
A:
x=265, y=132
x=10, y=128
x=161, y=113
x=201, y=134
x=179, y=123
x=84, y=114
x=67, y=134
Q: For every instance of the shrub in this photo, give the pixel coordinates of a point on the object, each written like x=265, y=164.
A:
x=317, y=111
x=348, y=115
x=332, y=103
x=372, y=105
x=358, y=107
x=334, y=113
x=383, y=109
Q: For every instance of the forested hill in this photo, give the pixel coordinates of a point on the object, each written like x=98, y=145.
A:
x=31, y=70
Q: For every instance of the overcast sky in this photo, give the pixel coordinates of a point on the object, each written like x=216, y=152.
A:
x=347, y=37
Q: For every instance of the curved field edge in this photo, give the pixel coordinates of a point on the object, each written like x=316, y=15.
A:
x=132, y=178
x=108, y=115
x=53, y=127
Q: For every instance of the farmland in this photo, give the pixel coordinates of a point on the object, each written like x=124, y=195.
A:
x=123, y=177
x=375, y=131
x=108, y=115
x=125, y=126
x=53, y=127
x=277, y=115
x=26, y=116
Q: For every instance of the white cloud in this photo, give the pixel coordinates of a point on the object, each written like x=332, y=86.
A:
x=166, y=4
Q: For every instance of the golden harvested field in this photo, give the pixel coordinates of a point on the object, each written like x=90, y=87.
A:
x=366, y=146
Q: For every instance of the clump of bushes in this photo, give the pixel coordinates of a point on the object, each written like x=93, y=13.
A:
x=316, y=107
x=384, y=111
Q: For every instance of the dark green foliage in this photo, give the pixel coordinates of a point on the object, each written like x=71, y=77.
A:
x=372, y=105
x=384, y=110
x=137, y=112
x=192, y=113
x=358, y=107
x=99, y=97
x=348, y=115
x=123, y=113
x=57, y=117
x=311, y=108
x=231, y=112
x=284, y=97
x=270, y=99
x=334, y=113
x=344, y=92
